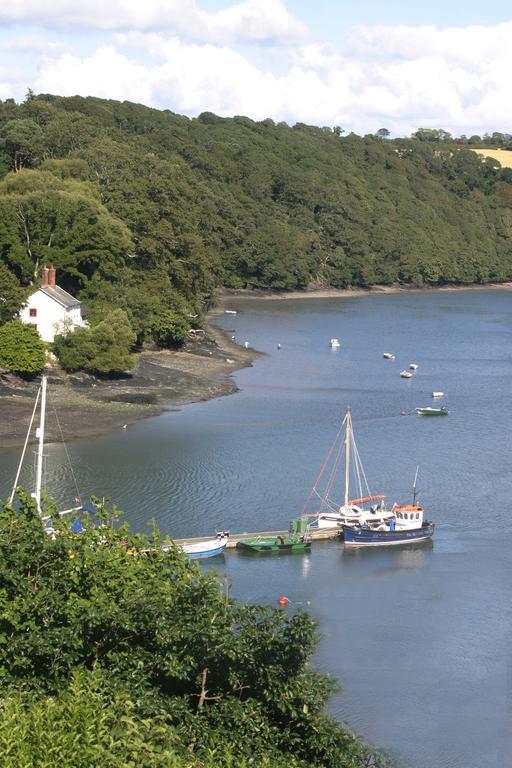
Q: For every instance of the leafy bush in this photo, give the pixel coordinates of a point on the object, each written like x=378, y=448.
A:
x=105, y=348
x=21, y=349
x=170, y=328
x=131, y=656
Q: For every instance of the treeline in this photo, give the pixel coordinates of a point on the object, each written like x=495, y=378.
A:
x=114, y=653
x=147, y=211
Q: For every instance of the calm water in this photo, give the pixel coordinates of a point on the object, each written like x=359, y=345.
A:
x=419, y=637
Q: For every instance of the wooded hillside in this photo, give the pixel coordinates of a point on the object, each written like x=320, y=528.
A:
x=146, y=210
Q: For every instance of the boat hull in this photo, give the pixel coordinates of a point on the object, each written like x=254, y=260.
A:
x=204, y=549
x=366, y=537
x=273, y=546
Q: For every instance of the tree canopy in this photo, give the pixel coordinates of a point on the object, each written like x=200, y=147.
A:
x=149, y=211
x=113, y=650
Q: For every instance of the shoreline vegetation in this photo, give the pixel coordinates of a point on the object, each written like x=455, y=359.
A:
x=164, y=380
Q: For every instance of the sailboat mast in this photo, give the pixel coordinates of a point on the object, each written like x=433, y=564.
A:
x=40, y=448
x=347, y=456
x=414, y=486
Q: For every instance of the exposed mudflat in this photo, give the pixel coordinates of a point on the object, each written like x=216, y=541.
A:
x=87, y=405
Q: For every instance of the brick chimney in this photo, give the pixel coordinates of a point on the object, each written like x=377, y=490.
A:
x=51, y=277
x=44, y=277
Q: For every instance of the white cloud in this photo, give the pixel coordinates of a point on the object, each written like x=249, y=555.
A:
x=107, y=73
x=394, y=77
x=249, y=20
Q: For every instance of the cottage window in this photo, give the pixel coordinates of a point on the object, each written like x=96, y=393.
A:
x=33, y=313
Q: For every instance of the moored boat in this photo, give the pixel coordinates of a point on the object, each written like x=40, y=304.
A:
x=331, y=513
x=277, y=544
x=407, y=526
x=334, y=343
x=437, y=394
x=413, y=366
x=388, y=356
x=364, y=536
x=203, y=549
x=406, y=375
x=230, y=311
x=443, y=411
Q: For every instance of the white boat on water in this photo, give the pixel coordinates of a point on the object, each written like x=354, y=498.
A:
x=334, y=344
x=331, y=513
x=437, y=394
x=203, y=549
x=388, y=356
x=230, y=311
x=406, y=375
x=413, y=366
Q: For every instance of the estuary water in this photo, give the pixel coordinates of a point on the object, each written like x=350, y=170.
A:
x=419, y=637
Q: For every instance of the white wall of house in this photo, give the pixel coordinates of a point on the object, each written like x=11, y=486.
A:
x=49, y=317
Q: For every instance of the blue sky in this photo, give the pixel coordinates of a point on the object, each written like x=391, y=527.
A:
x=362, y=65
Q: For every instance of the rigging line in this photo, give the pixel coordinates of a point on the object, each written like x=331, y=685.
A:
x=334, y=473
x=326, y=460
x=359, y=464
x=24, y=448
x=65, y=446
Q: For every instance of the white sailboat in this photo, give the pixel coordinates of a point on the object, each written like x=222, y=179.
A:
x=352, y=511
x=40, y=434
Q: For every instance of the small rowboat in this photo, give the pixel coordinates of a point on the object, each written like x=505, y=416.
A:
x=204, y=549
x=278, y=544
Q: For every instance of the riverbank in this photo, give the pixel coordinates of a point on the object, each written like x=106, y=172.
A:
x=81, y=405
x=224, y=295
x=163, y=380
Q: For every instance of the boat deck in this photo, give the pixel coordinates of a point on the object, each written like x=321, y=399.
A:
x=319, y=534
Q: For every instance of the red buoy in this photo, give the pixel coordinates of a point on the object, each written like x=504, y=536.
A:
x=283, y=600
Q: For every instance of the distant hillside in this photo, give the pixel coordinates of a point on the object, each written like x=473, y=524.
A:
x=503, y=156
x=148, y=210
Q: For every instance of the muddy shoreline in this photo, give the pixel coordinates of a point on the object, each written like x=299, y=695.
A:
x=226, y=294
x=82, y=406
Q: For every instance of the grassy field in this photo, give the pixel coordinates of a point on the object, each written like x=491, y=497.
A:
x=503, y=156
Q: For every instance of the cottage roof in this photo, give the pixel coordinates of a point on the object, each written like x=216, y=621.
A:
x=60, y=296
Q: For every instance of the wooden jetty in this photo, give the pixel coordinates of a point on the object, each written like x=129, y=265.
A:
x=317, y=534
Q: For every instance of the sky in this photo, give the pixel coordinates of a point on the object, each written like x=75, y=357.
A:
x=359, y=64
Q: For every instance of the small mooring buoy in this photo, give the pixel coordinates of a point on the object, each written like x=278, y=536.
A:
x=283, y=600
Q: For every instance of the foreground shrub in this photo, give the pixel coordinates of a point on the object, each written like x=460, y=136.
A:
x=110, y=647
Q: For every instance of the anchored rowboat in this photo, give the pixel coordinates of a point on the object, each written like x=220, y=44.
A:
x=276, y=545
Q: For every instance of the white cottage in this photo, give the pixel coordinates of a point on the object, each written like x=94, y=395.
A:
x=51, y=309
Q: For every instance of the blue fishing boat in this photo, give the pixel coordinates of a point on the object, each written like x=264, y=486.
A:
x=364, y=536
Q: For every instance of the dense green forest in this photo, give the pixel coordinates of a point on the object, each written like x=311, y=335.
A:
x=147, y=211
x=114, y=653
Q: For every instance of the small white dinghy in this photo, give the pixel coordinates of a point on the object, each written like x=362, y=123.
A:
x=388, y=356
x=203, y=549
x=406, y=375
x=413, y=366
x=334, y=344
x=437, y=394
